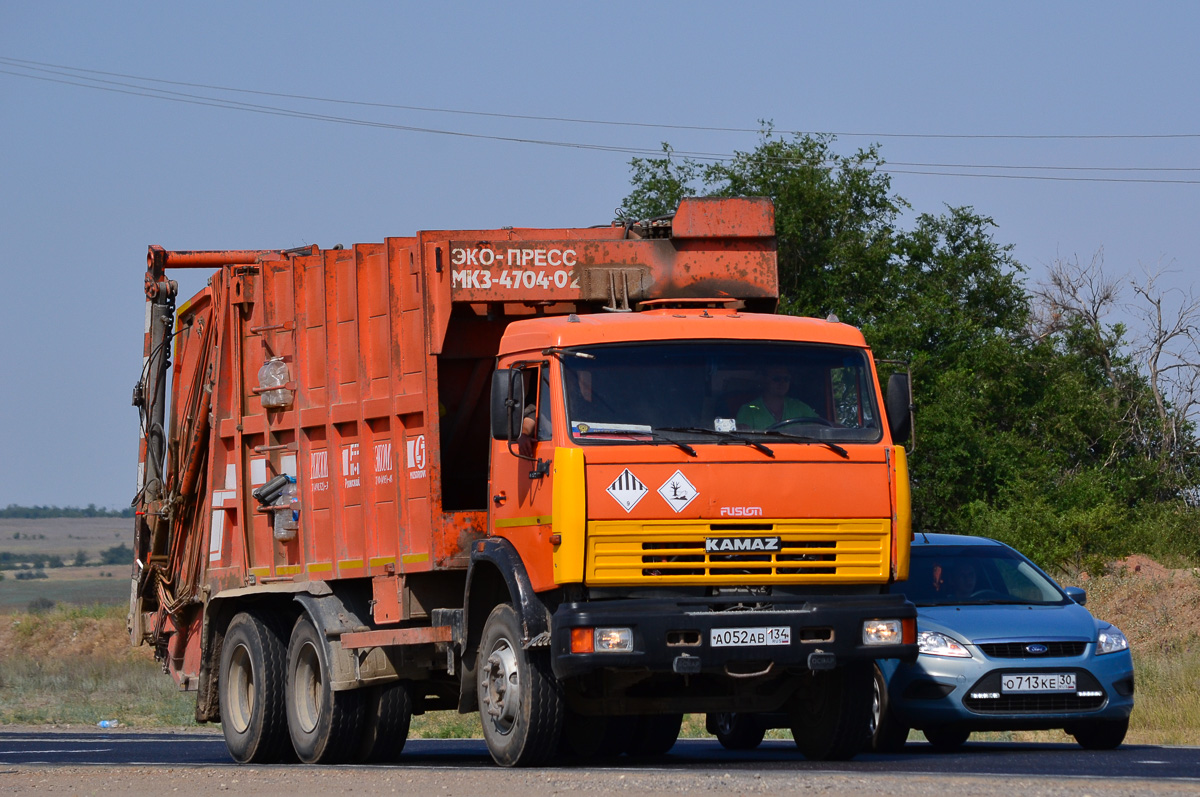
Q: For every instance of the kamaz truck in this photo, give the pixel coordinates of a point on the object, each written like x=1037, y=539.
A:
x=581, y=481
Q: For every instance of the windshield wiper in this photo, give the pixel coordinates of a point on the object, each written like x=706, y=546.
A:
x=724, y=435
x=800, y=438
x=651, y=433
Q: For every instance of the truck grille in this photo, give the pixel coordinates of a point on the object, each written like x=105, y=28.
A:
x=631, y=552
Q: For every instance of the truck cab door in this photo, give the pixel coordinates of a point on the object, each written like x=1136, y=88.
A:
x=522, y=473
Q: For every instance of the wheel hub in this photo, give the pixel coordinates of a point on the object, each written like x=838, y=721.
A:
x=501, y=686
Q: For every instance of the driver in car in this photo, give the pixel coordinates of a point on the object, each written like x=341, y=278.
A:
x=774, y=405
x=961, y=583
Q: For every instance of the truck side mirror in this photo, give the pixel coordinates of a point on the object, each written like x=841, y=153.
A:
x=899, y=407
x=508, y=403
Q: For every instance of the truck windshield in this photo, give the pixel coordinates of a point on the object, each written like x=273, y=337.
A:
x=720, y=392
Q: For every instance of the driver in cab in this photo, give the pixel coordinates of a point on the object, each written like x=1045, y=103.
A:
x=774, y=405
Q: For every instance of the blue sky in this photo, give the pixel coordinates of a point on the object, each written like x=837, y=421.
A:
x=89, y=178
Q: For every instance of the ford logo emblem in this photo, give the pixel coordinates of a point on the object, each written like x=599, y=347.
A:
x=1036, y=649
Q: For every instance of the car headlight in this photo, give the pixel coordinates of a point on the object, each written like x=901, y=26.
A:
x=1110, y=640
x=931, y=643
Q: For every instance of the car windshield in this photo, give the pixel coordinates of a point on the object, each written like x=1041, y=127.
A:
x=975, y=574
x=721, y=392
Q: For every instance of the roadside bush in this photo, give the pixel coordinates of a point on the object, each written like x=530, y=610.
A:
x=1167, y=533
x=41, y=604
x=116, y=555
x=30, y=575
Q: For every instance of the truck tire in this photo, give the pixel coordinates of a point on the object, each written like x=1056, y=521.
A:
x=387, y=715
x=832, y=719
x=591, y=737
x=887, y=735
x=736, y=731
x=251, y=691
x=653, y=735
x=520, y=700
x=325, y=726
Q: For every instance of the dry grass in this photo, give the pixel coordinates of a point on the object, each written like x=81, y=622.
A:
x=75, y=666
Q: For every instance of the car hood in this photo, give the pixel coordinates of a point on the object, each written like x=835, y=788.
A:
x=974, y=624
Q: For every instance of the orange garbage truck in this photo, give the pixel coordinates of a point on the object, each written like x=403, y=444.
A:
x=579, y=481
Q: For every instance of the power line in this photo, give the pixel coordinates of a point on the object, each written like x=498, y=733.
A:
x=71, y=79
x=606, y=122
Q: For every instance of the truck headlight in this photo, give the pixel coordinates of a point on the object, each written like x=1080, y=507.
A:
x=601, y=640
x=883, y=632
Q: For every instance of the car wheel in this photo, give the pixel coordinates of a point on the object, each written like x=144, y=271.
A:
x=736, y=731
x=945, y=740
x=1101, y=734
x=887, y=735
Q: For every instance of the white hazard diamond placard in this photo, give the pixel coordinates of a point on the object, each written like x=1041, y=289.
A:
x=678, y=491
x=627, y=490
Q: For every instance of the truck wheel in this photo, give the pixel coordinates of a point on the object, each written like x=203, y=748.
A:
x=251, y=689
x=736, y=731
x=887, y=735
x=1101, y=734
x=945, y=740
x=832, y=717
x=654, y=735
x=325, y=726
x=520, y=701
x=590, y=737
x=388, y=712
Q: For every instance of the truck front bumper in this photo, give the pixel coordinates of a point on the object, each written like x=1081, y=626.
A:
x=676, y=636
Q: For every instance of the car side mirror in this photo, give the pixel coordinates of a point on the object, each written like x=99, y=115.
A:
x=508, y=403
x=899, y=407
x=1077, y=594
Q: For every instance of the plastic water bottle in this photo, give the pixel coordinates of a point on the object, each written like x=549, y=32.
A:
x=107, y=724
x=271, y=380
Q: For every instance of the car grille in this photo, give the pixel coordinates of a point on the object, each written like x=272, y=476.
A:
x=1016, y=650
x=1088, y=696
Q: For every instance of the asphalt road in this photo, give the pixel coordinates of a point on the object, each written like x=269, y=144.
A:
x=1037, y=761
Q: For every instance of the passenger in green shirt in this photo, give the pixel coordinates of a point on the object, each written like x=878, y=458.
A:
x=774, y=405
